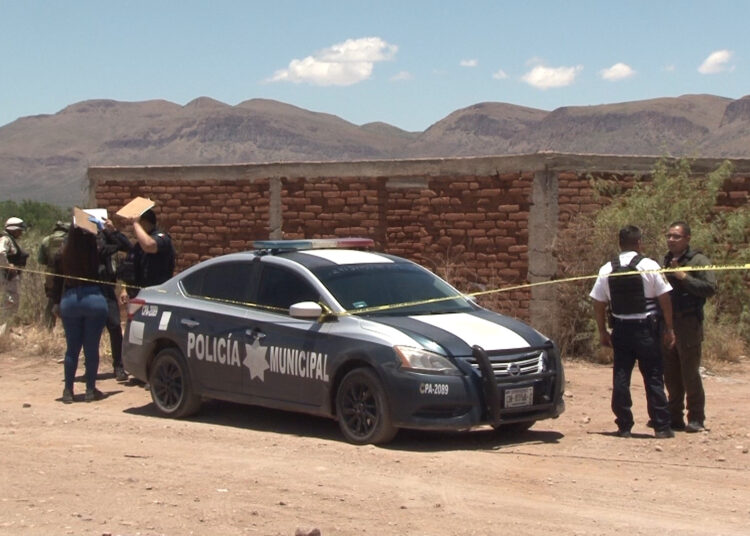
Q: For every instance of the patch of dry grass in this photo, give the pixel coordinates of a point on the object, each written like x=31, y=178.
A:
x=33, y=340
x=722, y=344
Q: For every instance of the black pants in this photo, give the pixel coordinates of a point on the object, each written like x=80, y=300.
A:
x=638, y=342
x=115, y=330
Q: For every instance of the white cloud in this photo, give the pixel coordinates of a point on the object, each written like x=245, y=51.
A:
x=670, y=68
x=618, y=71
x=535, y=60
x=716, y=62
x=469, y=63
x=499, y=75
x=542, y=77
x=402, y=75
x=342, y=64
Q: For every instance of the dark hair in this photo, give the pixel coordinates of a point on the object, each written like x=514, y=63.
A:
x=79, y=256
x=149, y=216
x=679, y=223
x=629, y=236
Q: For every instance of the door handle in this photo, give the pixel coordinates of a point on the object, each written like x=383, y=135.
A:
x=189, y=323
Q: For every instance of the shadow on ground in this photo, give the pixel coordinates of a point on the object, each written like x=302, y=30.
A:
x=220, y=413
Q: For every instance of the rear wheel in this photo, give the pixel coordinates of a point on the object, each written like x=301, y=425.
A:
x=362, y=409
x=171, y=388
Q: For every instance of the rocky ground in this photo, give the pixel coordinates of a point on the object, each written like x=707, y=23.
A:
x=115, y=468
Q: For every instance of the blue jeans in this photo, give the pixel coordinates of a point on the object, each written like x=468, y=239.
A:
x=83, y=310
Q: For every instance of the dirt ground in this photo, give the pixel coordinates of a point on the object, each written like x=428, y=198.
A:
x=115, y=468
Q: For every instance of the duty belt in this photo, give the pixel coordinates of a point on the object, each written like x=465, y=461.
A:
x=634, y=321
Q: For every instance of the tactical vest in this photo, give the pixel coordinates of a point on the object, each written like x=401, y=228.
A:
x=19, y=256
x=51, y=245
x=626, y=293
x=683, y=301
x=140, y=269
x=54, y=243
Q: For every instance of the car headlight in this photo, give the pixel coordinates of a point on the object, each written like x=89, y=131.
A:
x=421, y=360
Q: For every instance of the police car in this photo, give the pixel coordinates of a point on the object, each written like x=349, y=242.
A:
x=372, y=340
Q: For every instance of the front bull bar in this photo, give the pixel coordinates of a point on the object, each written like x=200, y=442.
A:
x=489, y=386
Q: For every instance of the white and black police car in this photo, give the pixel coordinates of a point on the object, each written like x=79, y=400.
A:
x=372, y=340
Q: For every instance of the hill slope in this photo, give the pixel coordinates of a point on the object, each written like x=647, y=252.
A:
x=45, y=157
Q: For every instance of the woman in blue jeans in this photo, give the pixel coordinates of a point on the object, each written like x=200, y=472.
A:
x=83, y=309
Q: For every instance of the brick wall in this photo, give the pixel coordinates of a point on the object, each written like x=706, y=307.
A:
x=482, y=223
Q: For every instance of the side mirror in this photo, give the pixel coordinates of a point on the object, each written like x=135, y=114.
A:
x=306, y=310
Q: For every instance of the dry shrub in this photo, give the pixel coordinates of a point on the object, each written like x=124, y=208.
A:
x=722, y=340
x=34, y=340
x=577, y=334
x=5, y=342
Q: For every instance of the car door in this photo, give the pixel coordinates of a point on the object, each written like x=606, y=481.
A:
x=286, y=357
x=214, y=324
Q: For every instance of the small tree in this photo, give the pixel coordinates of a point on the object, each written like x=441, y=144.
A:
x=673, y=193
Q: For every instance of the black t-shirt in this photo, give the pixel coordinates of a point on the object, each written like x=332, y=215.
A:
x=152, y=268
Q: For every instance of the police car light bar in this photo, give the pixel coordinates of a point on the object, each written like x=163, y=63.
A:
x=314, y=243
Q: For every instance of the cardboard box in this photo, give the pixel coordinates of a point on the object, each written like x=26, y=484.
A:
x=135, y=208
x=82, y=220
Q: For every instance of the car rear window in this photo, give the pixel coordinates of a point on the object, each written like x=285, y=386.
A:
x=228, y=281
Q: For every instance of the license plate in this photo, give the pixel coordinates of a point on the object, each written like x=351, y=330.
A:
x=517, y=398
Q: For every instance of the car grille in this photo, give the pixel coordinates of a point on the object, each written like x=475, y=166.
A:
x=506, y=366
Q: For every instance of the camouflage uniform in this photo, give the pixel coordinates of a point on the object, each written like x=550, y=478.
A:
x=9, y=281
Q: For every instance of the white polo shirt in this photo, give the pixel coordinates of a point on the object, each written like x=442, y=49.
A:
x=654, y=284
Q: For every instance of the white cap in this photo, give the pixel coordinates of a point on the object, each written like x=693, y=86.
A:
x=14, y=224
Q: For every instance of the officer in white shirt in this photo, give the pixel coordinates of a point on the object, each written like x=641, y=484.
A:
x=638, y=305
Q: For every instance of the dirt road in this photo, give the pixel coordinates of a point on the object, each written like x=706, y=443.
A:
x=114, y=467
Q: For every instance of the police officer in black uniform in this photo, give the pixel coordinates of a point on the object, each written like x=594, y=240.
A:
x=151, y=261
x=109, y=242
x=634, y=302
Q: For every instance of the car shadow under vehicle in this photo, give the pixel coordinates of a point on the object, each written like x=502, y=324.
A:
x=221, y=413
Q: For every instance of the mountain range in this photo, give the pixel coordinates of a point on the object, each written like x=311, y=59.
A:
x=44, y=157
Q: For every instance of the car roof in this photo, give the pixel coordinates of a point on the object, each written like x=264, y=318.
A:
x=309, y=258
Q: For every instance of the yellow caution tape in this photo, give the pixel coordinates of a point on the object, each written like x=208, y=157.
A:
x=380, y=308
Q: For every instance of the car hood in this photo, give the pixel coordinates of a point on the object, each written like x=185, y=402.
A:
x=458, y=332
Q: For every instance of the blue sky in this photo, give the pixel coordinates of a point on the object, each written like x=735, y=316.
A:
x=405, y=62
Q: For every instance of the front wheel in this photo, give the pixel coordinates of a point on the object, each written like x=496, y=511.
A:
x=171, y=389
x=362, y=409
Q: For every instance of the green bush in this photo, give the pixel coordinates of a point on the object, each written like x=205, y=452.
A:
x=38, y=216
x=672, y=193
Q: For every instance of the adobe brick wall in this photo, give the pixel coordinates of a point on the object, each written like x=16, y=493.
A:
x=482, y=223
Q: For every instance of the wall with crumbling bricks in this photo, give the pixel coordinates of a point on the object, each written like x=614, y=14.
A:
x=482, y=223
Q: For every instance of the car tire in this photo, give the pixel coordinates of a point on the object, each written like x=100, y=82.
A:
x=362, y=409
x=514, y=427
x=171, y=388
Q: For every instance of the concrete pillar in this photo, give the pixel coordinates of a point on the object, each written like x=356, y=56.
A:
x=275, y=215
x=543, y=217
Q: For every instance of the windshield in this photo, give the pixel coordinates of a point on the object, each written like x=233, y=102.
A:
x=362, y=286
